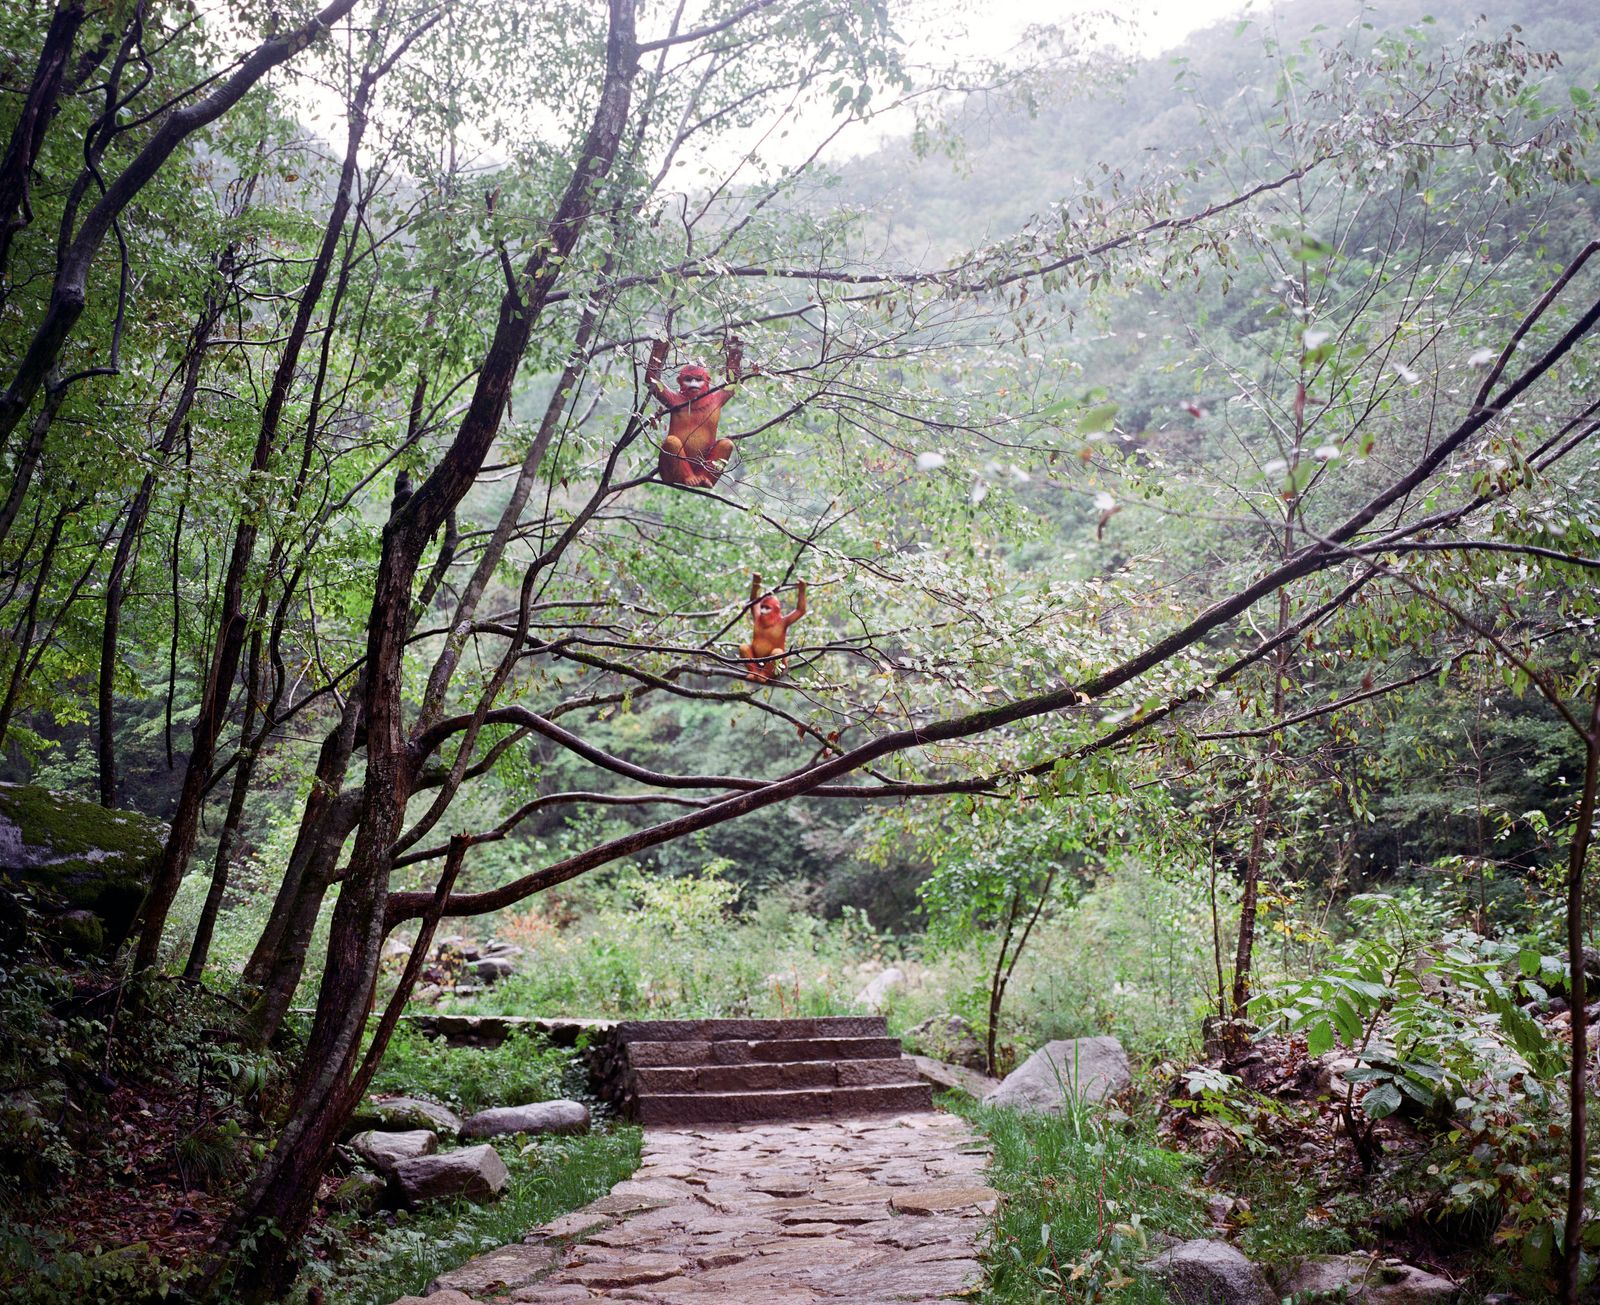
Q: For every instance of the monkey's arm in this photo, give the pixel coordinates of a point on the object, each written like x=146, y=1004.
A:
x=799, y=608
x=755, y=588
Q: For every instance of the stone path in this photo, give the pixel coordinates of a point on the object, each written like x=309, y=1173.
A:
x=867, y=1210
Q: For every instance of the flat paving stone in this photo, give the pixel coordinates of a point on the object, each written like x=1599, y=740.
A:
x=883, y=1209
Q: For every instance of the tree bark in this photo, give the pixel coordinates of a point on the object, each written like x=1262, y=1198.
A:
x=1578, y=1080
x=243, y=775
x=133, y=525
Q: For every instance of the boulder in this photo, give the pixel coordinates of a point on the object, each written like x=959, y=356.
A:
x=1089, y=1069
x=1203, y=1272
x=538, y=1117
x=952, y=1040
x=360, y=1191
x=491, y=969
x=438, y=1298
x=476, y=1173
x=76, y=856
x=1367, y=1281
x=879, y=987
x=383, y=1151
x=956, y=1078
x=400, y=1114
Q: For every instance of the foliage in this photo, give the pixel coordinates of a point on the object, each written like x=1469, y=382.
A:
x=1429, y=1012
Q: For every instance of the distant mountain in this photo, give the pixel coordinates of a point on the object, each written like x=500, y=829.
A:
x=1014, y=164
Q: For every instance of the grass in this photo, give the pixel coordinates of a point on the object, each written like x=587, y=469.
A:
x=1081, y=1201
x=522, y=1069
x=360, y=1265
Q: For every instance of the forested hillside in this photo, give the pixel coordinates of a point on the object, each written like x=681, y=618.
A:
x=575, y=539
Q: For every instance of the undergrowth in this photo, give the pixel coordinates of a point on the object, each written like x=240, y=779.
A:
x=522, y=1069
x=357, y=1263
x=1081, y=1201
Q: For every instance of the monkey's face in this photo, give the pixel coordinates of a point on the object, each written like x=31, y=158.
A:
x=694, y=381
x=768, y=611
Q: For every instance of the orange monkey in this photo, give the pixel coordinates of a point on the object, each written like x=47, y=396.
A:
x=771, y=633
x=692, y=454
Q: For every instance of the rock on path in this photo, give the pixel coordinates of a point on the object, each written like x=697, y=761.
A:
x=880, y=1209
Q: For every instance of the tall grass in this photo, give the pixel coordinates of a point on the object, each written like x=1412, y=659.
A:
x=1081, y=1202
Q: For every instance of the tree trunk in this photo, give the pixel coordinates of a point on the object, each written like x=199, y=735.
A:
x=243, y=775
x=30, y=621
x=1578, y=1081
x=133, y=525
x=333, y=761
x=281, y=972
x=27, y=135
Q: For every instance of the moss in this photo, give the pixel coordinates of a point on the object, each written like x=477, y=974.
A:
x=79, y=855
x=70, y=825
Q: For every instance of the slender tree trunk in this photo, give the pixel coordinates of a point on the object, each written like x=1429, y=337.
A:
x=283, y=1192
x=243, y=774
x=30, y=622
x=28, y=458
x=132, y=527
x=1244, y=953
x=27, y=134
x=1578, y=1081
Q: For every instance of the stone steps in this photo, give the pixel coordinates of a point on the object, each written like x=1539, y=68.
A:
x=761, y=1051
x=759, y=1106
x=734, y=1071
x=771, y=1076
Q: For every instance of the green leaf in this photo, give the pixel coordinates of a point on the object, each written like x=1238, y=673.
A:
x=1382, y=1101
x=1097, y=418
x=1319, y=1038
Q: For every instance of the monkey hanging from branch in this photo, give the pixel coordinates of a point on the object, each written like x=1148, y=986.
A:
x=691, y=454
x=763, y=655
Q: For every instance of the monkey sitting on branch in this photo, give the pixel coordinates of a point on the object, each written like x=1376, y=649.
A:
x=763, y=655
x=691, y=454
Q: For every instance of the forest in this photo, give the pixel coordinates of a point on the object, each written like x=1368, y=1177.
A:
x=610, y=510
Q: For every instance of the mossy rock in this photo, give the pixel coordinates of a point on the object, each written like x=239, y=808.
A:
x=78, y=856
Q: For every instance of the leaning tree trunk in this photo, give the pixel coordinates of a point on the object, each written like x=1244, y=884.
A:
x=282, y=1194
x=27, y=134
x=243, y=775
